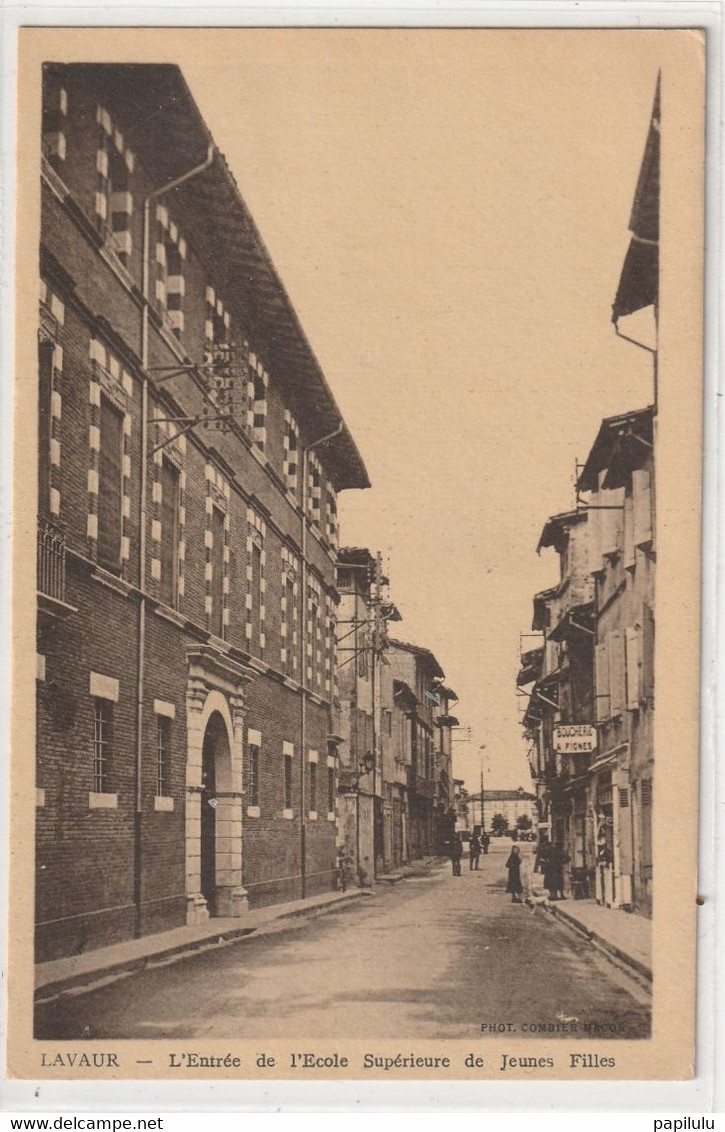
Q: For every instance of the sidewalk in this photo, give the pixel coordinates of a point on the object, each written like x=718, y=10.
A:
x=625, y=935
x=107, y=963
x=417, y=868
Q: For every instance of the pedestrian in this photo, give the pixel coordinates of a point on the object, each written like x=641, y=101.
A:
x=456, y=853
x=485, y=842
x=559, y=858
x=474, y=851
x=514, y=886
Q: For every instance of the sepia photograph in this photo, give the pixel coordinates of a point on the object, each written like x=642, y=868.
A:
x=355, y=414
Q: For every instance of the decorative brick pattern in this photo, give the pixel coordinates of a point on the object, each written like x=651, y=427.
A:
x=330, y=647
x=115, y=382
x=55, y=114
x=218, y=494
x=256, y=535
x=314, y=489
x=114, y=202
x=313, y=650
x=53, y=306
x=291, y=451
x=331, y=522
x=174, y=450
x=170, y=282
x=289, y=640
x=257, y=385
x=216, y=324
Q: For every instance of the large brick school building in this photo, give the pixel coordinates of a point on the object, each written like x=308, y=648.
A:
x=190, y=458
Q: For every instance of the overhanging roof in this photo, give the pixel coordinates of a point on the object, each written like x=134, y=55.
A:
x=424, y=654
x=557, y=527
x=165, y=129
x=620, y=437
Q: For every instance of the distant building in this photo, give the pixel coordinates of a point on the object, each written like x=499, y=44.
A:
x=425, y=705
x=511, y=804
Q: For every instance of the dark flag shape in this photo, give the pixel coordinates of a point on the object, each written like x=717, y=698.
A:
x=638, y=285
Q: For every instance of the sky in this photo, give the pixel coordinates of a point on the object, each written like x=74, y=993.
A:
x=448, y=212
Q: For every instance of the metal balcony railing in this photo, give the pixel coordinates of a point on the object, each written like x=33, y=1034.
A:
x=51, y=561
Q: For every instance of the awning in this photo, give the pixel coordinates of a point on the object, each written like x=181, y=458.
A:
x=579, y=619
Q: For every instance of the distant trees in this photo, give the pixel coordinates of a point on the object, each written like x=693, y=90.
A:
x=499, y=824
x=523, y=822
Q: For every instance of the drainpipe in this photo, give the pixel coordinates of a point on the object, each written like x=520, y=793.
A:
x=303, y=636
x=143, y=512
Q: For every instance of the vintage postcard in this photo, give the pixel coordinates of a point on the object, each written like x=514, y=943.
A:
x=358, y=450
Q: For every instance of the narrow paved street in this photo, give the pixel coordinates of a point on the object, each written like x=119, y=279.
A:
x=431, y=957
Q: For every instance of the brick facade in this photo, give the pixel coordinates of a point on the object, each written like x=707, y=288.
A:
x=168, y=516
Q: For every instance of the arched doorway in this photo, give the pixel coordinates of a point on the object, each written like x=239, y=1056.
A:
x=215, y=761
x=215, y=747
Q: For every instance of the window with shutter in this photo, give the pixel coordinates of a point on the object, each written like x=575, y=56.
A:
x=629, y=552
x=648, y=653
x=616, y=672
x=601, y=670
x=169, y=477
x=594, y=535
x=109, y=486
x=642, y=499
x=633, y=658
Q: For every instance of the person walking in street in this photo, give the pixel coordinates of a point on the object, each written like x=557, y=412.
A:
x=514, y=886
x=485, y=842
x=474, y=851
x=559, y=858
x=456, y=853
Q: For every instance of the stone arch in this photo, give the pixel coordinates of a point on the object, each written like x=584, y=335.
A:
x=214, y=718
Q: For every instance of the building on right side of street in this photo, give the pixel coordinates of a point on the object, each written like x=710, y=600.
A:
x=589, y=717
x=620, y=467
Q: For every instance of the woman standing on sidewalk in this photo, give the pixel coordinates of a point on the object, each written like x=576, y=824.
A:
x=514, y=886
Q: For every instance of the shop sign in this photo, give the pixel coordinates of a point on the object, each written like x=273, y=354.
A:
x=575, y=738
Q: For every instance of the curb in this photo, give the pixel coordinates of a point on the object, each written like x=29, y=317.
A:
x=609, y=949
x=87, y=980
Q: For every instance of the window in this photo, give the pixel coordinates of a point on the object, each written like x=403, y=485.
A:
x=253, y=787
x=169, y=478
x=110, y=485
x=330, y=789
x=288, y=782
x=102, y=745
x=313, y=788
x=217, y=572
x=163, y=756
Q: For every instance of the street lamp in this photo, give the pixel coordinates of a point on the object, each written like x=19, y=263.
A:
x=482, y=748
